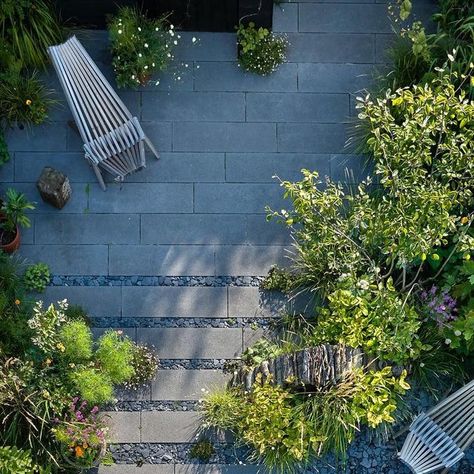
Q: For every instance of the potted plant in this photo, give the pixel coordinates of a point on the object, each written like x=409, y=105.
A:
x=82, y=435
x=12, y=217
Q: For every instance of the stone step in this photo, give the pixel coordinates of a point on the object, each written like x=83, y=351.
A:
x=109, y=258
x=193, y=343
x=186, y=384
x=166, y=302
x=128, y=427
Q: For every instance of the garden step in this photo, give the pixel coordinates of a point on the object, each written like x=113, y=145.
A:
x=169, y=302
x=193, y=343
x=156, y=427
x=186, y=384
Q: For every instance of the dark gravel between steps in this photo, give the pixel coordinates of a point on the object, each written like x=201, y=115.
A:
x=99, y=280
x=119, y=322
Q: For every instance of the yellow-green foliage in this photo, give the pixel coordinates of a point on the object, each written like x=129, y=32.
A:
x=76, y=338
x=115, y=356
x=93, y=385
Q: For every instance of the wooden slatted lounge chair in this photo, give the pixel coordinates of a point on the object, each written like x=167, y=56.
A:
x=113, y=138
x=438, y=438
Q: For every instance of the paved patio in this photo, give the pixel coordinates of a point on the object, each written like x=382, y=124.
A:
x=171, y=255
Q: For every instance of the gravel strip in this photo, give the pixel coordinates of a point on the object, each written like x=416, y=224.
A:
x=118, y=322
x=99, y=280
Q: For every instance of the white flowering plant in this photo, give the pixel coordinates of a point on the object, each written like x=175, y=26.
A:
x=141, y=46
x=260, y=51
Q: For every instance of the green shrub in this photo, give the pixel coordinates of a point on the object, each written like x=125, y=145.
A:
x=37, y=277
x=203, y=450
x=93, y=385
x=24, y=100
x=372, y=317
x=16, y=461
x=14, y=209
x=260, y=51
x=28, y=27
x=140, y=46
x=76, y=338
x=222, y=409
x=115, y=356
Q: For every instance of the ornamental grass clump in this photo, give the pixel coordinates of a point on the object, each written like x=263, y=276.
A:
x=260, y=51
x=141, y=46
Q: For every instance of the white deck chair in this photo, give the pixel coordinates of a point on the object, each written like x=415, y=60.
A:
x=113, y=139
x=438, y=438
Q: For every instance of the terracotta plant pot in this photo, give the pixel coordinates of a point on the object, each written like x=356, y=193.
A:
x=14, y=244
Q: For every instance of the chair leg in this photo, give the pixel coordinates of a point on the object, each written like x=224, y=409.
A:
x=151, y=147
x=99, y=176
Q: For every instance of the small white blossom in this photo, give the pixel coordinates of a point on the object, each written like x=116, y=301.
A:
x=175, y=42
x=171, y=27
x=447, y=341
x=157, y=29
x=139, y=55
x=194, y=39
x=139, y=29
x=146, y=45
x=119, y=32
x=457, y=332
x=153, y=64
x=145, y=67
x=179, y=78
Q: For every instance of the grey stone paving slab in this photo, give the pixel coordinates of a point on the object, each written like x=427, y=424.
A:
x=193, y=343
x=382, y=44
x=162, y=301
x=193, y=229
x=285, y=17
x=263, y=167
x=227, y=76
x=28, y=165
x=142, y=197
x=248, y=260
x=328, y=18
x=236, y=198
x=330, y=77
x=175, y=167
x=160, y=134
x=161, y=260
x=230, y=136
x=250, y=302
x=262, y=232
x=311, y=137
x=88, y=229
x=97, y=301
x=252, y=335
x=76, y=204
x=208, y=47
x=46, y=137
x=134, y=469
x=299, y=107
x=217, y=469
x=331, y=48
x=70, y=259
x=124, y=426
x=169, y=427
x=27, y=234
x=7, y=169
x=186, y=384
x=193, y=106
